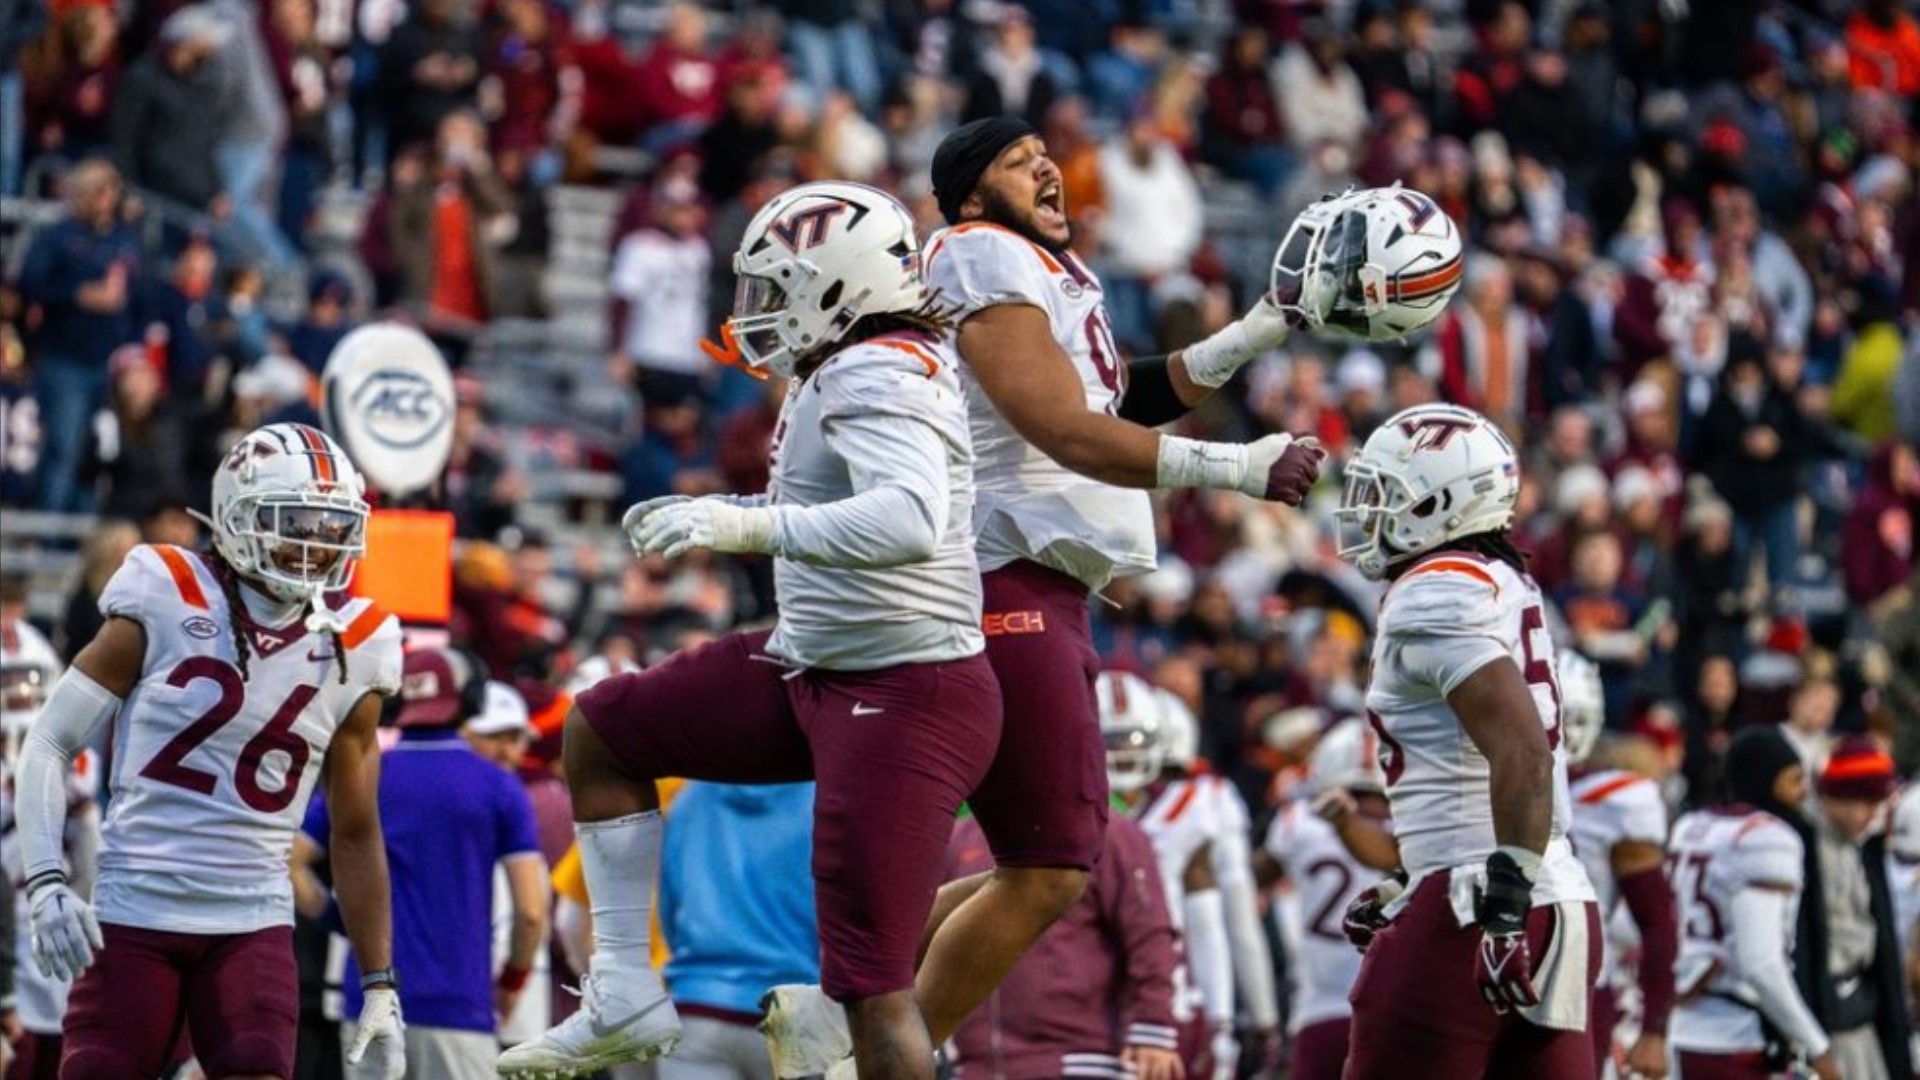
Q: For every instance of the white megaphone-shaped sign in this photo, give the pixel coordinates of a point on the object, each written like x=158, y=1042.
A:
x=388, y=398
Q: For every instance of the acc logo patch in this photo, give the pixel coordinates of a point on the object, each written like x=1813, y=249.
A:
x=401, y=408
x=201, y=627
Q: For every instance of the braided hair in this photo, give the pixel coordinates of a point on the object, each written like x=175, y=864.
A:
x=236, y=606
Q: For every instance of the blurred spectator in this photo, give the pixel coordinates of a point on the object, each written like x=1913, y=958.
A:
x=736, y=901
x=1119, y=77
x=327, y=320
x=674, y=455
x=523, y=242
x=88, y=275
x=481, y=487
x=525, y=65
x=1244, y=136
x=1811, y=709
x=22, y=438
x=746, y=441
x=446, y=227
x=1848, y=960
x=430, y=69
x=139, y=444
x=845, y=143
x=833, y=48
x=1883, y=46
x=70, y=80
x=161, y=136
x=1753, y=114
x=1012, y=80
x=101, y=554
x=1545, y=117
x=1483, y=345
x=1863, y=395
x=1494, y=68
x=1897, y=628
x=1571, y=360
x=1151, y=189
x=252, y=132
x=741, y=139
x=677, y=85
x=659, y=310
x=376, y=243
x=1877, y=541
x=195, y=328
x=20, y=25
x=1751, y=446
x=307, y=87
x=1320, y=97
x=1778, y=280
x=1605, y=618
x=1665, y=295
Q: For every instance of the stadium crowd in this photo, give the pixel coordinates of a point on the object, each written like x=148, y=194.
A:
x=1686, y=300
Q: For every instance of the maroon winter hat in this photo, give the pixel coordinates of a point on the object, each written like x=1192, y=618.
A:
x=1858, y=769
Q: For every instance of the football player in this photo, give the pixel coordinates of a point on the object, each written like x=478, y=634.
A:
x=1181, y=827
x=29, y=668
x=1230, y=854
x=1620, y=832
x=234, y=682
x=1332, y=844
x=872, y=682
x=1482, y=964
x=1738, y=873
x=1065, y=450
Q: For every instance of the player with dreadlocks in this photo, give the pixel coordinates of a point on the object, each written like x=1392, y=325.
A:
x=227, y=682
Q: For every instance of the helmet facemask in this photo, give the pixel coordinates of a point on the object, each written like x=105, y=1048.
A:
x=1322, y=264
x=1134, y=757
x=297, y=545
x=1366, y=508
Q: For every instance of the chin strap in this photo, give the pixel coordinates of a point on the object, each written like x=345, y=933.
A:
x=324, y=620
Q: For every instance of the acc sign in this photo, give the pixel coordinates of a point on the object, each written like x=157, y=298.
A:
x=389, y=400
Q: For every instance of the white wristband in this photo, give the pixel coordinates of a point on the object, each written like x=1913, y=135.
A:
x=1192, y=463
x=1211, y=362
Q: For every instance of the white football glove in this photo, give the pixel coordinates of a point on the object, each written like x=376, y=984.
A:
x=381, y=1031
x=714, y=524
x=1225, y=1050
x=66, y=932
x=1213, y=361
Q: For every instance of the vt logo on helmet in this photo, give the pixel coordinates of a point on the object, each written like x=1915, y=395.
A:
x=814, y=261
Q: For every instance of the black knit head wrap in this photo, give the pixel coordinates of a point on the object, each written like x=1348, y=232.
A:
x=965, y=153
x=1755, y=759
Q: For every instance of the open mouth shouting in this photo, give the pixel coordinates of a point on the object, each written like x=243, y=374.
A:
x=1050, y=207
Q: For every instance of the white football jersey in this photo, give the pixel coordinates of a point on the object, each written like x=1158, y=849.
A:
x=1180, y=819
x=1612, y=806
x=1030, y=506
x=859, y=619
x=1326, y=878
x=1713, y=855
x=211, y=771
x=1440, y=622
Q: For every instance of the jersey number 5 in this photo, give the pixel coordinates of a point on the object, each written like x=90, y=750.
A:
x=170, y=766
x=1539, y=669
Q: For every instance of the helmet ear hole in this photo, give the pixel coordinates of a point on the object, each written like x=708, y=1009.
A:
x=831, y=298
x=1425, y=507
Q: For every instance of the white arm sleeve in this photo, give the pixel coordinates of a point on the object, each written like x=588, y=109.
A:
x=1207, y=954
x=1759, y=917
x=899, y=510
x=1247, y=943
x=73, y=713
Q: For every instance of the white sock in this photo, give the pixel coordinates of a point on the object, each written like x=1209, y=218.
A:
x=621, y=860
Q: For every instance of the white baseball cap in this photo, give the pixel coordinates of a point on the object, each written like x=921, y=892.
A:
x=505, y=711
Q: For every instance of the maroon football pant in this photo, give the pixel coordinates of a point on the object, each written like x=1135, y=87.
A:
x=893, y=753
x=1043, y=803
x=238, y=996
x=1751, y=1065
x=1320, y=1050
x=1418, y=1012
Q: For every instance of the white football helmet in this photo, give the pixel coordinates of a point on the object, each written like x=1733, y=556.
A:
x=28, y=669
x=1370, y=265
x=1583, y=704
x=1130, y=716
x=1347, y=756
x=815, y=260
x=289, y=512
x=1430, y=474
x=1181, y=731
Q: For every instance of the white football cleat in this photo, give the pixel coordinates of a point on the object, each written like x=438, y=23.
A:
x=806, y=1031
x=614, y=1026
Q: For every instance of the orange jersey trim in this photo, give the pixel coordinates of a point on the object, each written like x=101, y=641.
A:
x=1180, y=804
x=363, y=626
x=1046, y=257
x=184, y=578
x=1458, y=565
x=1599, y=795
x=913, y=350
